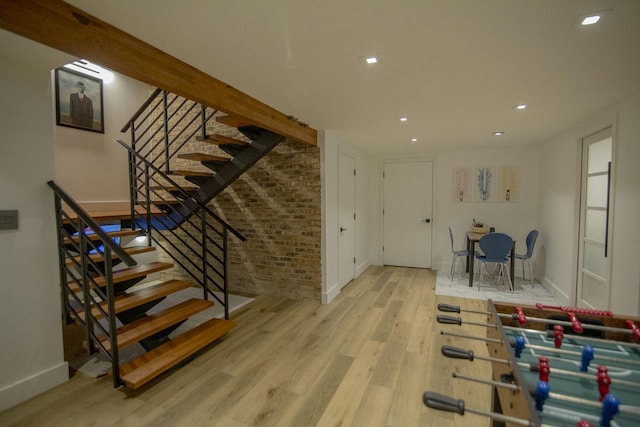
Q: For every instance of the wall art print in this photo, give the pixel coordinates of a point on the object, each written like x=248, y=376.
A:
x=509, y=187
x=461, y=188
x=78, y=101
x=485, y=184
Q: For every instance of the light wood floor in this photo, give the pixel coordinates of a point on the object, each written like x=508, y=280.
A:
x=363, y=360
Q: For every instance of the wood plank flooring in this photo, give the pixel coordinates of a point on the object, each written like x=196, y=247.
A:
x=363, y=360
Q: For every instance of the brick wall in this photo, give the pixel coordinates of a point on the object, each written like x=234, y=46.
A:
x=276, y=205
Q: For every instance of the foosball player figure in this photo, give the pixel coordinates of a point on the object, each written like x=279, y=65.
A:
x=604, y=381
x=543, y=368
x=519, y=345
x=558, y=335
x=584, y=423
x=542, y=393
x=610, y=407
x=587, y=357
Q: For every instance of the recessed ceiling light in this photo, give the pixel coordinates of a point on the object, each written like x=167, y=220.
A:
x=403, y=119
x=414, y=139
x=371, y=59
x=590, y=20
x=498, y=133
x=520, y=106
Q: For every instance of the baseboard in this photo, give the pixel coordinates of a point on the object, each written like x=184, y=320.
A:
x=34, y=385
x=559, y=295
x=329, y=295
x=368, y=263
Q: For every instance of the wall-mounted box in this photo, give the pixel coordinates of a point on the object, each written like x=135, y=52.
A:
x=9, y=220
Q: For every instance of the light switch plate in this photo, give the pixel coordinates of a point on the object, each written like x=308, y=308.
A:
x=9, y=220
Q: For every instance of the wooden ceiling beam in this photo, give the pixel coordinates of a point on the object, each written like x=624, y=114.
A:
x=64, y=27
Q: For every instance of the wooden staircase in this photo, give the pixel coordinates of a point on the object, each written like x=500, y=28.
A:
x=133, y=306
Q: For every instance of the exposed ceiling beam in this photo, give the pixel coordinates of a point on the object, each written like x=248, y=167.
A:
x=66, y=28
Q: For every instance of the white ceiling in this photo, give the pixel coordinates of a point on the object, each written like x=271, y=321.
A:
x=455, y=68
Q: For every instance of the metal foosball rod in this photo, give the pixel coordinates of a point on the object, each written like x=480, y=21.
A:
x=549, y=333
x=575, y=353
x=460, y=353
x=458, y=321
x=449, y=404
x=629, y=409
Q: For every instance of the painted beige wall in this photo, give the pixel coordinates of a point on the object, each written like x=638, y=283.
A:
x=31, y=355
x=90, y=166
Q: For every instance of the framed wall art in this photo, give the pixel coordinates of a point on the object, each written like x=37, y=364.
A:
x=78, y=101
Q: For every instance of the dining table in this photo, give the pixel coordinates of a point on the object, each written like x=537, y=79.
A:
x=472, y=239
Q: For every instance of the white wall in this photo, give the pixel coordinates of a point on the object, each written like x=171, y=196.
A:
x=558, y=216
x=366, y=211
x=90, y=166
x=513, y=218
x=31, y=353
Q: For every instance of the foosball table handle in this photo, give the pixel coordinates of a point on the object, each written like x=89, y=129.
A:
x=449, y=308
x=449, y=320
x=456, y=353
x=444, y=403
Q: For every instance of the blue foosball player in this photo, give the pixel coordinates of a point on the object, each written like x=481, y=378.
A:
x=587, y=357
x=519, y=345
x=610, y=407
x=542, y=394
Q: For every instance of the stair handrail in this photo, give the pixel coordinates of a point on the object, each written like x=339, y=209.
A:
x=143, y=107
x=84, y=215
x=188, y=197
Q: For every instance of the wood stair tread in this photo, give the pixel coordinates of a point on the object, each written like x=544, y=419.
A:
x=97, y=257
x=142, y=296
x=151, y=364
x=94, y=237
x=190, y=173
x=126, y=274
x=173, y=188
x=147, y=326
x=218, y=139
x=202, y=157
x=233, y=121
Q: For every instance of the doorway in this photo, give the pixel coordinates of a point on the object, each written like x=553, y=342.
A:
x=594, y=250
x=407, y=213
x=346, y=219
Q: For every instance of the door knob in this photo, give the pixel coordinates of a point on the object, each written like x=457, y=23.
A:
x=343, y=229
x=428, y=220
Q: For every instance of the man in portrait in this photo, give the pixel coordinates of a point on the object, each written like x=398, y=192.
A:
x=81, y=108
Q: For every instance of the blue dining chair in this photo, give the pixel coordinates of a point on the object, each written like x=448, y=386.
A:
x=456, y=254
x=531, y=242
x=496, y=248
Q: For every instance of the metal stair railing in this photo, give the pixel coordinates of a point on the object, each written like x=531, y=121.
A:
x=84, y=272
x=198, y=243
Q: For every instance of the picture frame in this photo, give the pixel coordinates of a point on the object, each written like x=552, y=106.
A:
x=79, y=101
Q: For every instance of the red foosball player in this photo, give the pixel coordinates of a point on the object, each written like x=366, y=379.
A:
x=584, y=423
x=604, y=381
x=543, y=368
x=558, y=335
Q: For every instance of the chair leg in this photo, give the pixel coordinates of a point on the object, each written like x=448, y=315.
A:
x=530, y=270
x=508, y=277
x=453, y=264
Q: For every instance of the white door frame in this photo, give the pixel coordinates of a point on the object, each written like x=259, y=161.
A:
x=346, y=261
x=606, y=132
x=434, y=216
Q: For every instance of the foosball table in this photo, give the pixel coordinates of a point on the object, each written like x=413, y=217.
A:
x=552, y=365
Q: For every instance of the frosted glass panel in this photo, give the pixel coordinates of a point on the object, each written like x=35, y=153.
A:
x=594, y=292
x=594, y=260
x=595, y=225
x=597, y=191
x=599, y=156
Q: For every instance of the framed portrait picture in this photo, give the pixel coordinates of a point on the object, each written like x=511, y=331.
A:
x=78, y=101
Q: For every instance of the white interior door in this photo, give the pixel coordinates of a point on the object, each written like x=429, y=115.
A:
x=593, y=289
x=346, y=219
x=407, y=213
